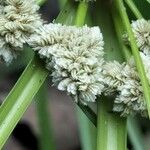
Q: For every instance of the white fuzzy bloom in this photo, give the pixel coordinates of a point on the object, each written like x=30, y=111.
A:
x=130, y=98
x=18, y=20
x=75, y=54
x=141, y=29
x=122, y=81
x=112, y=76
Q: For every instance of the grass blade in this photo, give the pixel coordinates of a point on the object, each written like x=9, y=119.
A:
x=20, y=97
x=87, y=131
x=135, y=135
x=46, y=138
x=134, y=9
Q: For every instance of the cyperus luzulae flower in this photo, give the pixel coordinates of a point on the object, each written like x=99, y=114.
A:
x=18, y=20
x=75, y=56
x=127, y=87
x=141, y=30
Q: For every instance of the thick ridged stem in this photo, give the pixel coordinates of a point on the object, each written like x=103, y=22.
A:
x=46, y=137
x=111, y=128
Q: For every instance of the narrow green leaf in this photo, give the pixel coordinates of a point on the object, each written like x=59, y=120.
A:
x=135, y=135
x=20, y=97
x=87, y=131
x=134, y=9
x=46, y=137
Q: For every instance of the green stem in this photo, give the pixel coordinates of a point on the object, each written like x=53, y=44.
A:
x=20, y=97
x=135, y=51
x=89, y=113
x=120, y=31
x=40, y=2
x=111, y=128
x=46, y=138
x=81, y=13
x=25, y=89
x=87, y=131
x=135, y=134
x=134, y=9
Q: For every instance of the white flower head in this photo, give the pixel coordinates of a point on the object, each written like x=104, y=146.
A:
x=75, y=54
x=112, y=76
x=141, y=29
x=130, y=98
x=18, y=20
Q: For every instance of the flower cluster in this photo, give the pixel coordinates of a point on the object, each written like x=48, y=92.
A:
x=129, y=93
x=141, y=30
x=18, y=20
x=122, y=81
x=75, y=56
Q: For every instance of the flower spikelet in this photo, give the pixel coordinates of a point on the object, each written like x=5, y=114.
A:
x=112, y=76
x=141, y=29
x=130, y=98
x=18, y=20
x=75, y=54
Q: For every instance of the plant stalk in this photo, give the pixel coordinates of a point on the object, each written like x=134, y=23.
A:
x=81, y=13
x=111, y=128
x=46, y=137
x=135, y=51
x=87, y=131
x=135, y=135
x=134, y=9
x=20, y=97
x=119, y=28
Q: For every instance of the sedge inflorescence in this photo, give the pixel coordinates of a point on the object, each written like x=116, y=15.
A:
x=122, y=80
x=141, y=30
x=75, y=56
x=18, y=20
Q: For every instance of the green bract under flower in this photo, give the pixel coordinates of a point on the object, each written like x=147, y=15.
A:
x=18, y=20
x=75, y=56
